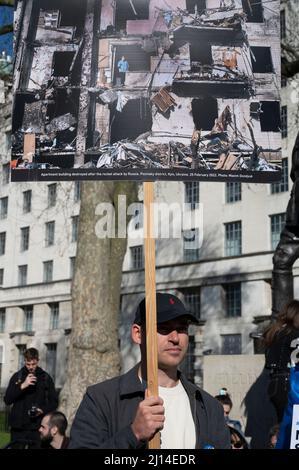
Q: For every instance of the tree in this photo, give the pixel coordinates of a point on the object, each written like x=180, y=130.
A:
x=94, y=350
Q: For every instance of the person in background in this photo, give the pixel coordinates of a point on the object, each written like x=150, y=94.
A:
x=32, y=394
x=52, y=431
x=224, y=398
x=278, y=338
x=123, y=67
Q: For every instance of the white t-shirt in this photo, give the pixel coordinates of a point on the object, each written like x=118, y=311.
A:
x=179, y=427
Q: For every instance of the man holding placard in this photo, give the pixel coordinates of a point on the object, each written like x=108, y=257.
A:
x=119, y=414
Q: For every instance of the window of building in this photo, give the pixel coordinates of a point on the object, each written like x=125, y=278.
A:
x=1, y=276
x=25, y=235
x=137, y=258
x=231, y=344
x=62, y=61
x=54, y=315
x=51, y=359
x=255, y=110
x=282, y=185
x=28, y=318
x=2, y=320
x=5, y=173
x=21, y=360
x=192, y=300
x=233, y=299
x=191, y=245
x=233, y=192
x=3, y=207
x=201, y=54
x=253, y=10
x=277, y=224
x=204, y=112
x=192, y=193
x=75, y=227
x=51, y=19
x=48, y=271
x=196, y=6
x=270, y=116
x=233, y=238
x=22, y=275
x=261, y=59
x=284, y=121
x=138, y=59
x=77, y=191
x=138, y=218
x=283, y=29
x=27, y=201
x=135, y=110
x=50, y=233
x=130, y=10
x=72, y=266
x=2, y=243
x=52, y=194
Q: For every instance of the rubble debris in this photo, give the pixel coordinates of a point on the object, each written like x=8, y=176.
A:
x=163, y=100
x=108, y=96
x=225, y=154
x=34, y=116
x=228, y=162
x=223, y=121
x=61, y=123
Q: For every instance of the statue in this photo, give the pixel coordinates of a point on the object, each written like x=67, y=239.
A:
x=287, y=250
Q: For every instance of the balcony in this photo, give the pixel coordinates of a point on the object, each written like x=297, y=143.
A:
x=215, y=81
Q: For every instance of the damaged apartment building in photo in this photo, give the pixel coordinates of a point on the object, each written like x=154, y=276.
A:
x=124, y=84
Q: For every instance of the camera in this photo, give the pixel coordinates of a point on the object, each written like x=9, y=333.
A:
x=32, y=412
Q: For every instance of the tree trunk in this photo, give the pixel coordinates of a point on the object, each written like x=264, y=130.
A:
x=94, y=352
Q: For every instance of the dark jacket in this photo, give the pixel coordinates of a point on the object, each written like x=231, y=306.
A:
x=278, y=354
x=104, y=417
x=42, y=394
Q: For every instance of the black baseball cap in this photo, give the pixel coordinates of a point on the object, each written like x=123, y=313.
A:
x=169, y=307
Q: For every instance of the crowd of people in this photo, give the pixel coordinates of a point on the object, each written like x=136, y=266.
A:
x=120, y=413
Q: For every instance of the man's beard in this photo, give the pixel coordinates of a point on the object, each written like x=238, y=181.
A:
x=47, y=439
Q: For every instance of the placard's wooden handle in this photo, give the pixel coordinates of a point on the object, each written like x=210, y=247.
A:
x=150, y=294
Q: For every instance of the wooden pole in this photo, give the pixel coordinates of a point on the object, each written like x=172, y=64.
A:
x=150, y=295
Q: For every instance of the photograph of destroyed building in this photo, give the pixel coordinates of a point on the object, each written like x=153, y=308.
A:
x=146, y=89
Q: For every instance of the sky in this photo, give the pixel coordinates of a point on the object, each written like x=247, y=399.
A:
x=6, y=41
